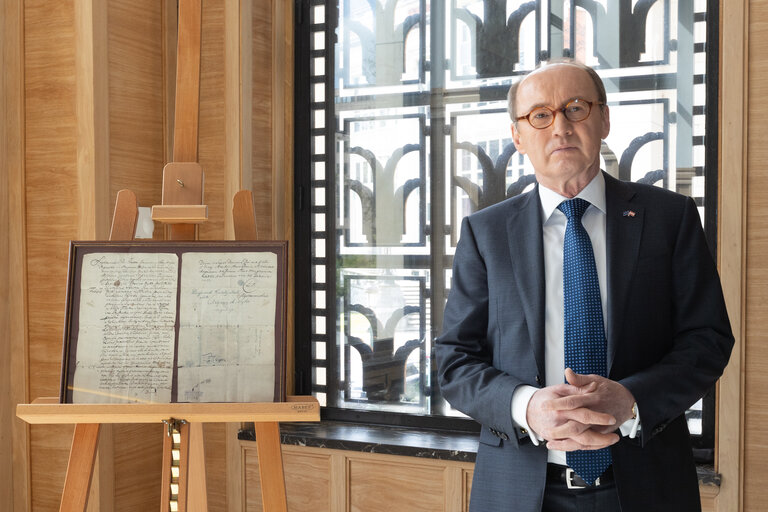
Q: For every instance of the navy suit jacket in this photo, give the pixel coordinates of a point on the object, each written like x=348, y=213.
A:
x=668, y=336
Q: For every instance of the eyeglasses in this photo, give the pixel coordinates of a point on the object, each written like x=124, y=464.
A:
x=574, y=111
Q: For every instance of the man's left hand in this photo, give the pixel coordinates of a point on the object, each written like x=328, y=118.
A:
x=608, y=397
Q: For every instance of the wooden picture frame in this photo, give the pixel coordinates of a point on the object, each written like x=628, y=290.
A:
x=175, y=321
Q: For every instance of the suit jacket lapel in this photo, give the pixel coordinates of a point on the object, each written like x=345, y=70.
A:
x=624, y=227
x=526, y=249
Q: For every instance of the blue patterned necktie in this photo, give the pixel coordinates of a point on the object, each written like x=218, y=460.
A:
x=585, y=344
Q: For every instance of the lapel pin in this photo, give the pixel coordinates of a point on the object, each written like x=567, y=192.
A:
x=628, y=213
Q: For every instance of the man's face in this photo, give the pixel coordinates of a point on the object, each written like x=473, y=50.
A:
x=565, y=155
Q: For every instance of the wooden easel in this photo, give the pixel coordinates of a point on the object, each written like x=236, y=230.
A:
x=89, y=418
x=186, y=419
x=183, y=420
x=181, y=211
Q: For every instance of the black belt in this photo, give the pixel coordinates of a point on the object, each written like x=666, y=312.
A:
x=565, y=475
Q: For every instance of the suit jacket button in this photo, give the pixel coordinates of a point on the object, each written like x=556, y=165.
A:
x=538, y=380
x=504, y=436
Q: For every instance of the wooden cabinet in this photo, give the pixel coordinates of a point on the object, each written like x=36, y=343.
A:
x=321, y=479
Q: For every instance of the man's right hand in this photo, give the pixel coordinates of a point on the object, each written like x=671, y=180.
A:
x=568, y=429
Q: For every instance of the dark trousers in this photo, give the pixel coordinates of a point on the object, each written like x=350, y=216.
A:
x=559, y=498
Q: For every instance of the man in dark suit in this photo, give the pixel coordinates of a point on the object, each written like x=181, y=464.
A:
x=661, y=320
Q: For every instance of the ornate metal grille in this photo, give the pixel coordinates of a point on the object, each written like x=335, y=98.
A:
x=409, y=133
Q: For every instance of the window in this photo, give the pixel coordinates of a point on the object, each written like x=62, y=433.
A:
x=408, y=133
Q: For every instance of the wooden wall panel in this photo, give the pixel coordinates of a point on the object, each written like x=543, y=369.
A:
x=468, y=474
x=212, y=154
x=319, y=480
x=216, y=466
x=137, y=463
x=307, y=479
x=378, y=486
x=263, y=69
x=756, y=377
x=7, y=412
x=13, y=342
x=52, y=194
x=137, y=141
x=52, y=219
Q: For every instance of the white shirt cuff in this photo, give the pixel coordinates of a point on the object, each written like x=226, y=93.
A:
x=520, y=398
x=630, y=427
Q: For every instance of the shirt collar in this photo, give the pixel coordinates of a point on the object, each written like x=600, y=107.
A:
x=594, y=192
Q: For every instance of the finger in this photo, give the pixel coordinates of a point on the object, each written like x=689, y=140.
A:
x=575, y=379
x=568, y=430
x=564, y=389
x=594, y=440
x=568, y=403
x=571, y=428
x=580, y=380
x=569, y=445
x=587, y=440
x=587, y=416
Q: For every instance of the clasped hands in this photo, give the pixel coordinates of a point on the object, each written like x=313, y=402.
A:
x=582, y=414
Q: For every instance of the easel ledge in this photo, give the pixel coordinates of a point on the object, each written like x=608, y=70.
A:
x=48, y=411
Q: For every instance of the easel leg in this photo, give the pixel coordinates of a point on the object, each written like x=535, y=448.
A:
x=197, y=491
x=271, y=467
x=80, y=467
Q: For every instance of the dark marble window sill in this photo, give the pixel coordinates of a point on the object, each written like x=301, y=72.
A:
x=410, y=442
x=432, y=444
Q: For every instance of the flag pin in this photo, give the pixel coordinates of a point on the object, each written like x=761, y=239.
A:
x=628, y=213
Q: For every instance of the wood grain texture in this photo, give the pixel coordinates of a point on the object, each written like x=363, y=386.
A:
x=80, y=467
x=244, y=216
x=125, y=216
x=92, y=109
x=186, y=111
x=468, y=474
x=333, y=479
x=729, y=437
x=52, y=219
x=237, y=98
x=307, y=479
x=51, y=413
x=215, y=436
x=14, y=434
x=262, y=118
x=235, y=488
x=386, y=486
x=282, y=155
x=271, y=467
x=49, y=453
x=212, y=145
x=454, y=489
x=756, y=347
x=136, y=102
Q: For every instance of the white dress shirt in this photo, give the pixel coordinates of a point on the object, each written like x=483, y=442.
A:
x=554, y=222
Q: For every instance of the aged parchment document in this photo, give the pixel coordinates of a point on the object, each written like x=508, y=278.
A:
x=226, y=350
x=125, y=342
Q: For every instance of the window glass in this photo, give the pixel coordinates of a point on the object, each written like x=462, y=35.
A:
x=410, y=134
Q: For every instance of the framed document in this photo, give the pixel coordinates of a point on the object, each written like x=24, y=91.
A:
x=163, y=322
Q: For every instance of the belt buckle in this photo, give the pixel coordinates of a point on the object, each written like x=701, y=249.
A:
x=569, y=474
